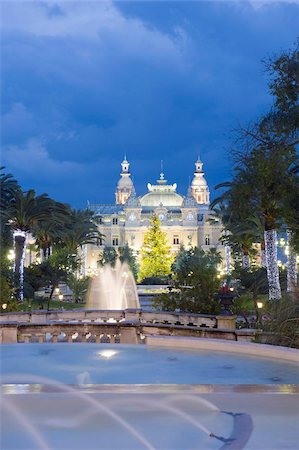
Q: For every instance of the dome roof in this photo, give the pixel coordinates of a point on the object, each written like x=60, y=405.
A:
x=199, y=181
x=156, y=198
x=125, y=182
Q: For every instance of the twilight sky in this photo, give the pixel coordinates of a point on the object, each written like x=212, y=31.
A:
x=85, y=82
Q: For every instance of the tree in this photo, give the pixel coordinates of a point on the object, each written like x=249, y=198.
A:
x=156, y=258
x=81, y=228
x=7, y=298
x=24, y=211
x=196, y=282
x=108, y=256
x=126, y=255
x=283, y=84
x=79, y=286
x=48, y=231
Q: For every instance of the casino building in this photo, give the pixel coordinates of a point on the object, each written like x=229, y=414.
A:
x=184, y=218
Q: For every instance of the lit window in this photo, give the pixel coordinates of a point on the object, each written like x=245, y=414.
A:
x=207, y=239
x=115, y=241
x=114, y=221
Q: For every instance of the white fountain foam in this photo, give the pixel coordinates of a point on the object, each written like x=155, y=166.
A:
x=113, y=289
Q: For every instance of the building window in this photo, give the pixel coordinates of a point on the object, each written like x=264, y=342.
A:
x=100, y=241
x=114, y=221
x=176, y=240
x=115, y=241
x=207, y=239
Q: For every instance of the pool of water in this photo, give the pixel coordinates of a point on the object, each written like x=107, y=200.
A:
x=131, y=364
x=118, y=397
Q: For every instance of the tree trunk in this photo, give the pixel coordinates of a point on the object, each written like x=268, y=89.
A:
x=20, y=248
x=263, y=255
x=228, y=260
x=83, y=260
x=245, y=261
x=291, y=265
x=272, y=268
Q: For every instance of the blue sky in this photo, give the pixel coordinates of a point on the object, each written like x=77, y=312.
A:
x=85, y=82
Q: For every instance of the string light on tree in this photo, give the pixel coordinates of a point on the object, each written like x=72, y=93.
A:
x=272, y=267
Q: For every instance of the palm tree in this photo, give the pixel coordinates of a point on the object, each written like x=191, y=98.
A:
x=24, y=211
x=8, y=186
x=80, y=230
x=48, y=231
x=263, y=178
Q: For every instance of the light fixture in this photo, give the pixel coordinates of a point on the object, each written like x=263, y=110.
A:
x=4, y=306
x=259, y=304
x=60, y=296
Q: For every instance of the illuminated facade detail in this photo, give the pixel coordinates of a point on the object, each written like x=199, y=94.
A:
x=185, y=220
x=199, y=186
x=124, y=185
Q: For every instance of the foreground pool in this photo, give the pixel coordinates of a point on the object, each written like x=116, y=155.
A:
x=140, y=364
x=117, y=397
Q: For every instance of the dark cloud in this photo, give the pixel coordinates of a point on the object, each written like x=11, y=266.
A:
x=86, y=82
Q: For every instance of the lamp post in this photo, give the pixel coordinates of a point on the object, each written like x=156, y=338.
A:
x=259, y=306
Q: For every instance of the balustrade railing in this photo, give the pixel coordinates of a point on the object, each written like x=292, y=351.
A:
x=128, y=326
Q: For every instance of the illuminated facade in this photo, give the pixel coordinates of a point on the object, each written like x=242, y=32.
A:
x=185, y=219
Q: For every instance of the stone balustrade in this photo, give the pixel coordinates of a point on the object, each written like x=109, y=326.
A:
x=133, y=315
x=128, y=326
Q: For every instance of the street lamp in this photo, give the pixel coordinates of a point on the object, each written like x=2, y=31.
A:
x=259, y=305
x=60, y=296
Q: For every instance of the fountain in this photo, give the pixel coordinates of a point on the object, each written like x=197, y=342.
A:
x=113, y=289
x=115, y=396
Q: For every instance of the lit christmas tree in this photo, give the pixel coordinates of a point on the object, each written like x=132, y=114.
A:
x=156, y=258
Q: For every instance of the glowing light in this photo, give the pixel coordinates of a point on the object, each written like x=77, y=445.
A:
x=107, y=354
x=259, y=304
x=11, y=255
x=4, y=306
x=57, y=290
x=20, y=234
x=272, y=268
x=60, y=296
x=282, y=242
